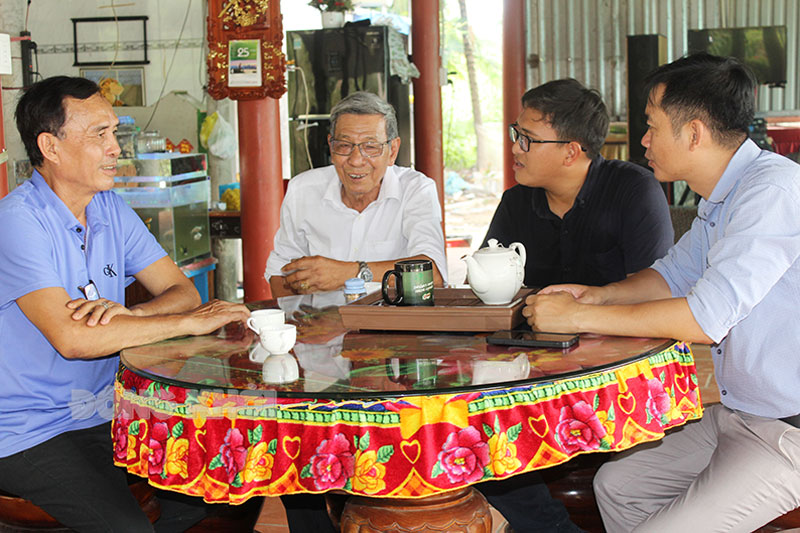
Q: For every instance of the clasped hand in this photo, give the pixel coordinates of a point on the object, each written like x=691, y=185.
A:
x=555, y=308
x=207, y=317
x=99, y=311
x=316, y=273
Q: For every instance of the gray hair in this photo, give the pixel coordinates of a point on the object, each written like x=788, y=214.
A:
x=366, y=103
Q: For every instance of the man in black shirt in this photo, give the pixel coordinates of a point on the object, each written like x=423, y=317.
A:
x=582, y=218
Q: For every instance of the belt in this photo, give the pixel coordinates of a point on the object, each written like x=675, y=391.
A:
x=792, y=420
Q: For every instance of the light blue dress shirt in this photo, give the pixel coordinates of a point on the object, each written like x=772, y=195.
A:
x=43, y=245
x=739, y=269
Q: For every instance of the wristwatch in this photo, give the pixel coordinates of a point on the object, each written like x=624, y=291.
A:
x=364, y=272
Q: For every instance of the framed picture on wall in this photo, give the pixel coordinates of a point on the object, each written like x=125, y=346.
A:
x=104, y=41
x=120, y=86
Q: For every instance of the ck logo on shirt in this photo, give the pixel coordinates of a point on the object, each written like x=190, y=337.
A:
x=109, y=270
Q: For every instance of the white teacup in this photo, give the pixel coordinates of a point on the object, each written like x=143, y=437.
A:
x=265, y=318
x=280, y=368
x=278, y=339
x=258, y=354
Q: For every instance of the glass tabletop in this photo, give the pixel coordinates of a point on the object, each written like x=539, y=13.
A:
x=335, y=363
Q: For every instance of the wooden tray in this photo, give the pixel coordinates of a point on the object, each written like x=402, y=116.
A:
x=453, y=310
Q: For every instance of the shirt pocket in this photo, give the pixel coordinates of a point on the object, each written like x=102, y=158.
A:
x=385, y=250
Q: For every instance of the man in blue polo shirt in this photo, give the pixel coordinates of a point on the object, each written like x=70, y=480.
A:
x=68, y=248
x=732, y=281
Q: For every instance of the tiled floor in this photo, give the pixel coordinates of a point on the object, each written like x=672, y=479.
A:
x=273, y=517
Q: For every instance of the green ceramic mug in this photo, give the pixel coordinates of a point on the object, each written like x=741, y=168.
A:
x=413, y=280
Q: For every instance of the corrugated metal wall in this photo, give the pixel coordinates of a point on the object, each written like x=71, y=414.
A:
x=585, y=39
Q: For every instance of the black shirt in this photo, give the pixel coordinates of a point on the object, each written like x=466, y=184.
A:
x=618, y=225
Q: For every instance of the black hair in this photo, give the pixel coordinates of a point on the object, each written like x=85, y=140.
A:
x=573, y=111
x=718, y=91
x=41, y=109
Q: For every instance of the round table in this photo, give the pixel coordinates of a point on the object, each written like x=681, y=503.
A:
x=388, y=415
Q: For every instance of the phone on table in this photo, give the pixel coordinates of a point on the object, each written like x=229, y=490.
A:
x=534, y=339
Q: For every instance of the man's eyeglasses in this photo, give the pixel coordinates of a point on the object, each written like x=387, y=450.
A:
x=367, y=149
x=525, y=141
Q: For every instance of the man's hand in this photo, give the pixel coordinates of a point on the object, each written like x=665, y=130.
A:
x=582, y=293
x=215, y=314
x=552, y=312
x=316, y=273
x=99, y=311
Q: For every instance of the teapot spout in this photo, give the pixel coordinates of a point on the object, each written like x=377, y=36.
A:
x=476, y=276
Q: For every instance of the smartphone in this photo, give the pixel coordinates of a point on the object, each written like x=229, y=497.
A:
x=534, y=339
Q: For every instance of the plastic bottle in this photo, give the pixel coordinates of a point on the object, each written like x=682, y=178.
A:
x=152, y=141
x=354, y=289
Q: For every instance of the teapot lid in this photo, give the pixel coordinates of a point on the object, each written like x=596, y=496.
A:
x=494, y=247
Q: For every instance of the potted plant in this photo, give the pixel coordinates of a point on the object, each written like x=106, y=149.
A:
x=332, y=11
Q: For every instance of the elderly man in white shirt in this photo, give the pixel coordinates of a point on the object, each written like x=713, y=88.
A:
x=360, y=215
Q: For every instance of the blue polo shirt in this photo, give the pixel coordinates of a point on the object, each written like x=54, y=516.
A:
x=43, y=245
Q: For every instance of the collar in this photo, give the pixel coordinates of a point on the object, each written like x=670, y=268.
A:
x=50, y=199
x=541, y=206
x=390, y=188
x=742, y=158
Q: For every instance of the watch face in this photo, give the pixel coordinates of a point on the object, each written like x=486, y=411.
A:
x=365, y=273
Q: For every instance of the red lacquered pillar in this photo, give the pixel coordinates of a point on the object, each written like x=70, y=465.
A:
x=428, y=152
x=514, y=50
x=261, y=189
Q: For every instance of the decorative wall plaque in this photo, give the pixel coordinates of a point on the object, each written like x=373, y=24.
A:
x=244, y=41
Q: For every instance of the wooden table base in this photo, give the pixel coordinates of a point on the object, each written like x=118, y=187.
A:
x=464, y=510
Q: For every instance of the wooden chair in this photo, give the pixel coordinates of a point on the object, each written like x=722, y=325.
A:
x=682, y=217
x=572, y=484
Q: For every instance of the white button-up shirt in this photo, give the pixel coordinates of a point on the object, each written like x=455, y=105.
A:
x=404, y=221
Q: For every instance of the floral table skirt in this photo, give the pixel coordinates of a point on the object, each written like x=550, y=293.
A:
x=228, y=447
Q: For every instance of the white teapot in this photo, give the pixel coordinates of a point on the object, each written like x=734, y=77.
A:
x=495, y=273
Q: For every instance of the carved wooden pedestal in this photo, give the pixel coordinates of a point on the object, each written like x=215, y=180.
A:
x=463, y=510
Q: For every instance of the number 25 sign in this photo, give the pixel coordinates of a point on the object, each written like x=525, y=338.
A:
x=245, y=60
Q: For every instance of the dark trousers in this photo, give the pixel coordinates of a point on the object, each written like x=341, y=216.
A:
x=72, y=476
x=524, y=501
x=307, y=513
x=526, y=504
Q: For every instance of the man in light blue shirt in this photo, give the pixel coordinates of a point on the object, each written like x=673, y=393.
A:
x=733, y=281
x=68, y=248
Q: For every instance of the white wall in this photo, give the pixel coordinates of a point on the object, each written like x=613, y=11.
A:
x=50, y=26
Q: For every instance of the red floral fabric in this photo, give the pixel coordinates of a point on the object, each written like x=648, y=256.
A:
x=229, y=447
